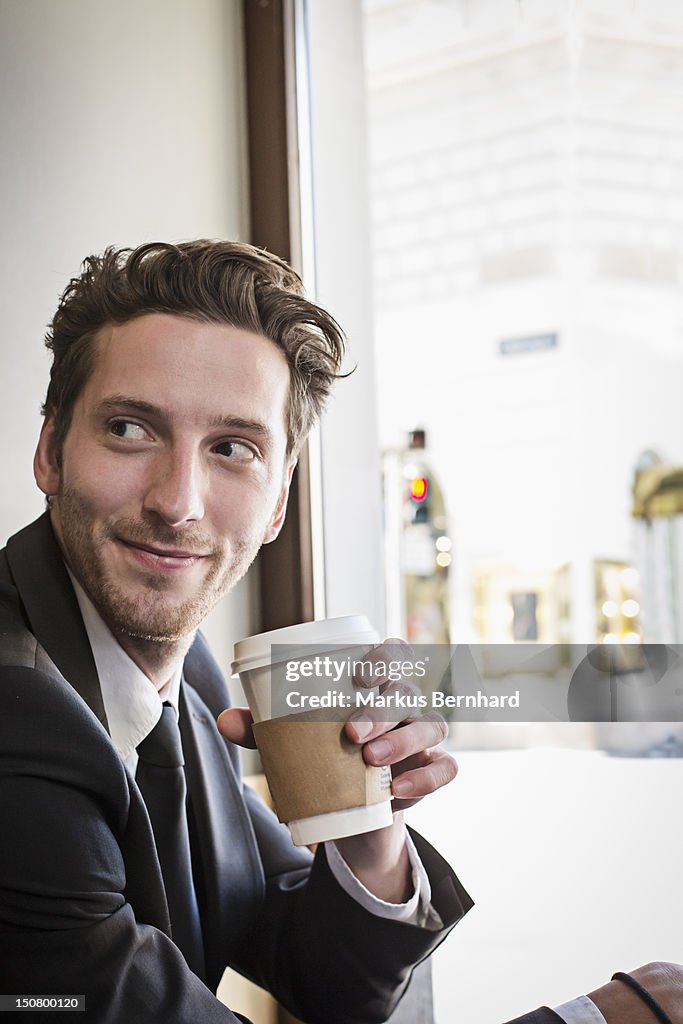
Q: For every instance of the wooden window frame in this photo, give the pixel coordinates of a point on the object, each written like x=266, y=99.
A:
x=285, y=567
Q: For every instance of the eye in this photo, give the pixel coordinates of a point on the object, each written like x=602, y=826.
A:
x=127, y=430
x=236, y=451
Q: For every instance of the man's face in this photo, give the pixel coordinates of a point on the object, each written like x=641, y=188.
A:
x=173, y=471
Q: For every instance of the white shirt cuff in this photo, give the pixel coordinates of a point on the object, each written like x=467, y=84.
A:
x=580, y=1011
x=418, y=910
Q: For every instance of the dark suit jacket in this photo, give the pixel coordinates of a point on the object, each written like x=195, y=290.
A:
x=82, y=904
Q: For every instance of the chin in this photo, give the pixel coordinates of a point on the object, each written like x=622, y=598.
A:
x=165, y=624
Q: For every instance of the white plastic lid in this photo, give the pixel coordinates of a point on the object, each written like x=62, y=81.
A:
x=324, y=635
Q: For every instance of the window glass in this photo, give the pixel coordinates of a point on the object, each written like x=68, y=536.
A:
x=526, y=179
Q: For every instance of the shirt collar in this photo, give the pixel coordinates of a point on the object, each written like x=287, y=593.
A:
x=131, y=701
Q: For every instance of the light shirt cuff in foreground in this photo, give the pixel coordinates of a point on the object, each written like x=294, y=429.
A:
x=418, y=910
x=580, y=1011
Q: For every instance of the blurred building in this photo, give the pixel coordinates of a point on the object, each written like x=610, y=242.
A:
x=527, y=196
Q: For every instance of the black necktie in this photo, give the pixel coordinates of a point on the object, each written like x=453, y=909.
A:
x=161, y=779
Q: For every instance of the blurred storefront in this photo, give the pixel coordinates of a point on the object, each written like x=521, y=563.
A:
x=658, y=514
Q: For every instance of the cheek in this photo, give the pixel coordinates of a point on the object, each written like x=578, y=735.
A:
x=245, y=512
x=99, y=485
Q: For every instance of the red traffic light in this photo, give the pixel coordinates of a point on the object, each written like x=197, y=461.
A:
x=419, y=485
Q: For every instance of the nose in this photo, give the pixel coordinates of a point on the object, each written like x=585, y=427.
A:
x=176, y=490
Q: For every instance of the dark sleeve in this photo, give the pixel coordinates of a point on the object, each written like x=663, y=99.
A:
x=65, y=924
x=312, y=939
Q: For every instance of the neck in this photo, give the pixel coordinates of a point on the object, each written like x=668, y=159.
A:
x=159, y=660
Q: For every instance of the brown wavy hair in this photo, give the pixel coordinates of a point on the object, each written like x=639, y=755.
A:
x=213, y=281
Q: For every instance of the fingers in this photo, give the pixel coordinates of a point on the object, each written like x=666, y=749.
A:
x=235, y=724
x=435, y=769
x=394, y=737
x=412, y=737
x=425, y=758
x=371, y=668
x=387, y=667
x=399, y=701
x=419, y=765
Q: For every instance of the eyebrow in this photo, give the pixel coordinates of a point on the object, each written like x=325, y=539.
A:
x=123, y=402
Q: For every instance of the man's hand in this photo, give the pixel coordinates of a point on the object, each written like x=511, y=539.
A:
x=408, y=743
x=401, y=739
x=621, y=1005
x=235, y=724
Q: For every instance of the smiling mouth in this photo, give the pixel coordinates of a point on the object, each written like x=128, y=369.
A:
x=162, y=557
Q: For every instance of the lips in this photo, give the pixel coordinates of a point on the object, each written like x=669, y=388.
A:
x=152, y=557
x=163, y=552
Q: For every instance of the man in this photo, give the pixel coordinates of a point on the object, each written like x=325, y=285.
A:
x=184, y=381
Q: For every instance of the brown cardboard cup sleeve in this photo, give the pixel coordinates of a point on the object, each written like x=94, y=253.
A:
x=313, y=768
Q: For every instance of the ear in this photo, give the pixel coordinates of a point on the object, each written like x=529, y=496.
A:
x=277, y=519
x=46, y=467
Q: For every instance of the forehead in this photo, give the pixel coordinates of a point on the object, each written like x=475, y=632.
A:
x=197, y=370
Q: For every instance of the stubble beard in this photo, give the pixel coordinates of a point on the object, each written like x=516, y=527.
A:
x=146, y=617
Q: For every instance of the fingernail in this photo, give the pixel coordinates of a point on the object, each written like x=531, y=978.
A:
x=402, y=787
x=380, y=749
x=362, y=726
x=365, y=675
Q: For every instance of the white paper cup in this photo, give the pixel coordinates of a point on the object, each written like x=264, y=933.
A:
x=254, y=663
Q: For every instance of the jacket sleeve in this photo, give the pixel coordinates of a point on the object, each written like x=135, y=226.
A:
x=66, y=926
x=312, y=939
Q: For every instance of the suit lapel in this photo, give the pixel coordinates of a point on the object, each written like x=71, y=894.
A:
x=44, y=587
x=230, y=870
x=50, y=604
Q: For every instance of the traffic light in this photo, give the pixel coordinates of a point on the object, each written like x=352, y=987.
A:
x=418, y=488
x=419, y=485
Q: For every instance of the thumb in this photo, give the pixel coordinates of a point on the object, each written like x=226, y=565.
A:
x=235, y=725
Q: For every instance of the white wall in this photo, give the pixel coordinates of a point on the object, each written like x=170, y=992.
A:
x=120, y=123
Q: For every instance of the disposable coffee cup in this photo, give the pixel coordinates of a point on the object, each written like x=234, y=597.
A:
x=320, y=784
